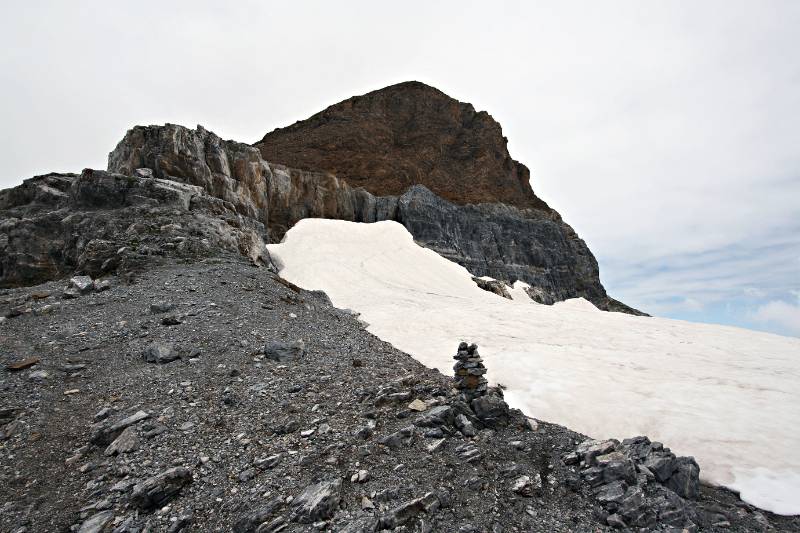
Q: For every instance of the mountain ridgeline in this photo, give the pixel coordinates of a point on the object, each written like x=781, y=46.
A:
x=407, y=153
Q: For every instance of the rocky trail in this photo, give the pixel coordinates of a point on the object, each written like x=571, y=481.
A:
x=210, y=395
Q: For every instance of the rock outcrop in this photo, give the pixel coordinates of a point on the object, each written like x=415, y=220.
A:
x=639, y=483
x=228, y=170
x=173, y=190
x=500, y=240
x=100, y=222
x=403, y=135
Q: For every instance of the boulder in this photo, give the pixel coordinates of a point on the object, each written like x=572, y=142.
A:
x=317, y=502
x=127, y=442
x=284, y=352
x=491, y=410
x=160, y=353
x=252, y=519
x=440, y=415
x=685, y=479
x=408, y=511
x=105, y=433
x=82, y=284
x=97, y=523
x=159, y=489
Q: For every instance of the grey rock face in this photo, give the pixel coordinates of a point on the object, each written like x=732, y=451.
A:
x=317, y=502
x=505, y=243
x=231, y=171
x=157, y=490
x=100, y=222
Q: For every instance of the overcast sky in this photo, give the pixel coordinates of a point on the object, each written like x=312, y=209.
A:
x=666, y=133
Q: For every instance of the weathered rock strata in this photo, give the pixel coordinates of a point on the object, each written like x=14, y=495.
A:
x=403, y=135
x=99, y=222
x=228, y=170
x=173, y=190
x=490, y=239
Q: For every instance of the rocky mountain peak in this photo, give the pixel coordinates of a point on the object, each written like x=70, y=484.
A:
x=407, y=134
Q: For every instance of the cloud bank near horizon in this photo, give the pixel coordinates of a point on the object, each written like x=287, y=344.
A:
x=665, y=133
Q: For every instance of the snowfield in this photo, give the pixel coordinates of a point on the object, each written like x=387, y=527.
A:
x=728, y=396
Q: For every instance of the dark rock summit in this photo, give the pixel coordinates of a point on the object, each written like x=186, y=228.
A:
x=403, y=135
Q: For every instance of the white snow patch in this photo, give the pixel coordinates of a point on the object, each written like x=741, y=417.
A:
x=517, y=292
x=725, y=395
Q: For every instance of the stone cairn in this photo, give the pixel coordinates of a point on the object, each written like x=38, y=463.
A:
x=469, y=372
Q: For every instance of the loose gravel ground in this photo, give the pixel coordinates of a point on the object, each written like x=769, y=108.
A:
x=231, y=440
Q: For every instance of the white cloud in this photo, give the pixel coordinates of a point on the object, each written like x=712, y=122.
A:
x=780, y=313
x=753, y=292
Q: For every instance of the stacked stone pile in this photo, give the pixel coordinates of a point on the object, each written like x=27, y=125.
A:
x=469, y=372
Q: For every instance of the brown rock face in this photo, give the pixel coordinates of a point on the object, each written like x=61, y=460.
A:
x=407, y=134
